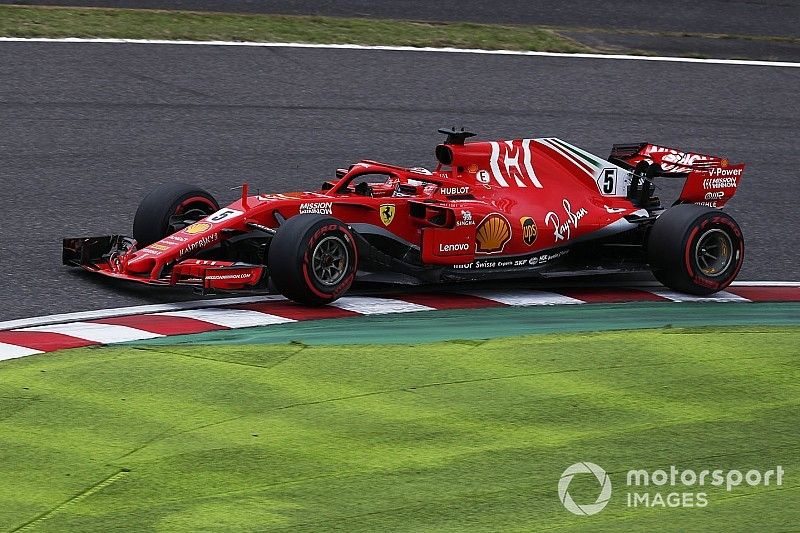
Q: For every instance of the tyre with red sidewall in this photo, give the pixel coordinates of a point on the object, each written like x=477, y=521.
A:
x=313, y=259
x=695, y=249
x=170, y=208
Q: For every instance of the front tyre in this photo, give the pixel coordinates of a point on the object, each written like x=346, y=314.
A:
x=170, y=208
x=695, y=249
x=313, y=259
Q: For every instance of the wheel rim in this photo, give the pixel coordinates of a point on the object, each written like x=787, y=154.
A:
x=330, y=260
x=713, y=252
x=188, y=213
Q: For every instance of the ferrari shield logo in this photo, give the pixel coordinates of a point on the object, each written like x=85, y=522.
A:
x=387, y=213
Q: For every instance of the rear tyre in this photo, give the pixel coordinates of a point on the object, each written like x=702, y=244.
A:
x=313, y=259
x=695, y=249
x=170, y=208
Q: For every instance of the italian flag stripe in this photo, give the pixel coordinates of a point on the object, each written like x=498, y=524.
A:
x=566, y=155
x=579, y=153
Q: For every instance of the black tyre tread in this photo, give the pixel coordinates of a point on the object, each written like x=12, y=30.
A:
x=286, y=252
x=666, y=244
x=152, y=217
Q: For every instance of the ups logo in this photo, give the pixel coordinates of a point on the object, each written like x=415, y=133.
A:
x=529, y=231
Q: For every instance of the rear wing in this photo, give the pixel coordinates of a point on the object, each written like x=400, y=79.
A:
x=710, y=180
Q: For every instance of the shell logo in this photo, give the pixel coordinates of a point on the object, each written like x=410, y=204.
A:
x=197, y=227
x=492, y=234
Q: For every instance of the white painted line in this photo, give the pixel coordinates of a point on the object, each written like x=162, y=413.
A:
x=230, y=318
x=408, y=49
x=367, y=305
x=102, y=333
x=526, y=297
x=765, y=284
x=721, y=296
x=12, y=351
x=133, y=310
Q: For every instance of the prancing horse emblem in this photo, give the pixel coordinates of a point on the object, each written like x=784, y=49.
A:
x=387, y=213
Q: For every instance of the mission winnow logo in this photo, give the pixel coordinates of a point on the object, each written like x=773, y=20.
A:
x=672, y=487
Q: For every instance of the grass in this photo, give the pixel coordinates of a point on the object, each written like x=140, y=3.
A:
x=452, y=436
x=662, y=33
x=145, y=24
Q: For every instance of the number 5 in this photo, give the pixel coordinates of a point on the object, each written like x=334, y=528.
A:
x=609, y=175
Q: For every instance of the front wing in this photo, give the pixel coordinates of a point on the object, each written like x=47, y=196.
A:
x=106, y=255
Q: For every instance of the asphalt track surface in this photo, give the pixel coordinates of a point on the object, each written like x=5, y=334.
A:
x=87, y=129
x=749, y=17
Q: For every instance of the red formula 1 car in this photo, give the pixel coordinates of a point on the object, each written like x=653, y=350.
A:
x=498, y=209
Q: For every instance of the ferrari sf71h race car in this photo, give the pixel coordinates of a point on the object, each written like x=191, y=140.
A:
x=536, y=208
